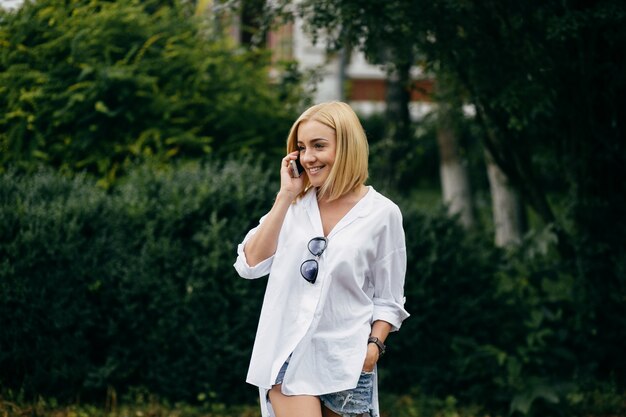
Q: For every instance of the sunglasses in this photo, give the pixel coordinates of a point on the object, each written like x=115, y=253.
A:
x=309, y=268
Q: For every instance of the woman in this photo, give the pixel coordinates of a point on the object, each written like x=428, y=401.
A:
x=335, y=253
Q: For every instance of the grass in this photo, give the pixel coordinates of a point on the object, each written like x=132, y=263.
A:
x=602, y=401
x=141, y=404
x=49, y=408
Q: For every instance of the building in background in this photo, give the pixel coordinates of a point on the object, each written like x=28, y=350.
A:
x=11, y=4
x=347, y=78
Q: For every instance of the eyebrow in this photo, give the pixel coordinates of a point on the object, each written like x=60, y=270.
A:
x=315, y=140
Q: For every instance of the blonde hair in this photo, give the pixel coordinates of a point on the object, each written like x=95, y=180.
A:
x=350, y=169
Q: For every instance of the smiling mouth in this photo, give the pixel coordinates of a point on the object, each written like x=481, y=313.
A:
x=315, y=169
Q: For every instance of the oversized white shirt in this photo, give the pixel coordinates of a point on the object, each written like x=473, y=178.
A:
x=325, y=326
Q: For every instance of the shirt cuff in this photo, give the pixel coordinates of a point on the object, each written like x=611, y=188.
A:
x=250, y=272
x=389, y=311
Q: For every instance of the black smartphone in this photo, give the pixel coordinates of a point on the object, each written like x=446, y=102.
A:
x=296, y=167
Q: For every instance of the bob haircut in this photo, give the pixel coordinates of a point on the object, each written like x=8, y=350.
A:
x=350, y=169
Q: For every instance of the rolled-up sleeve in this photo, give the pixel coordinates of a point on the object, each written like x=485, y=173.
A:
x=388, y=297
x=241, y=264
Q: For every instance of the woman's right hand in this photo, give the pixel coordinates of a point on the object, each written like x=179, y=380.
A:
x=288, y=184
x=263, y=243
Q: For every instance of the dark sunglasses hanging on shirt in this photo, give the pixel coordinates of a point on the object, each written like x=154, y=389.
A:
x=310, y=267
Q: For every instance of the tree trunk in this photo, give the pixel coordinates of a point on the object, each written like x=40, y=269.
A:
x=508, y=213
x=397, y=99
x=455, y=182
x=251, y=33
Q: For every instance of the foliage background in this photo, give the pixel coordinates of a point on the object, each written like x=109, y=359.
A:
x=127, y=135
x=98, y=85
x=134, y=289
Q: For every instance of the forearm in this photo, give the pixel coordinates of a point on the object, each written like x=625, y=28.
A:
x=264, y=242
x=381, y=330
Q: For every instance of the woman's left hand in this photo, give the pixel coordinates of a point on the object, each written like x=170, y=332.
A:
x=371, y=357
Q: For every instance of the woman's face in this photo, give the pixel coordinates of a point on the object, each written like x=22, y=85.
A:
x=317, y=144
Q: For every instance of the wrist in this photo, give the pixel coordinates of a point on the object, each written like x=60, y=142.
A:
x=372, y=350
x=373, y=340
x=285, y=195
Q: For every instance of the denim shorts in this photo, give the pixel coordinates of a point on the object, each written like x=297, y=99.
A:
x=349, y=403
x=352, y=402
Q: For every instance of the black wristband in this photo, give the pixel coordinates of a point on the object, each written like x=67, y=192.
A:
x=381, y=346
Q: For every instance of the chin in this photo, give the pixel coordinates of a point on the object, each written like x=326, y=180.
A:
x=317, y=182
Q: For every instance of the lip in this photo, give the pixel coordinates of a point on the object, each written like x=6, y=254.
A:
x=315, y=170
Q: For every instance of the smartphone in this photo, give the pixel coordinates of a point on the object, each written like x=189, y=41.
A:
x=296, y=167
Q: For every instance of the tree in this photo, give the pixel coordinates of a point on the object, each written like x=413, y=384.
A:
x=455, y=184
x=548, y=81
x=97, y=85
x=508, y=216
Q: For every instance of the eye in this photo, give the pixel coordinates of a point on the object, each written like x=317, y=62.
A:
x=300, y=148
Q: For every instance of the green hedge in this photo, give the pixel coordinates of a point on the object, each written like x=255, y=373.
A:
x=487, y=327
x=133, y=288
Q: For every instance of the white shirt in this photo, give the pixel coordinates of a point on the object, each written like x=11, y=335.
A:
x=325, y=326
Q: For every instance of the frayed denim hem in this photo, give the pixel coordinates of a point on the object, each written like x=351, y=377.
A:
x=353, y=402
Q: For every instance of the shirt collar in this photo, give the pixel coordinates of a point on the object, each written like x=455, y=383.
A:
x=361, y=209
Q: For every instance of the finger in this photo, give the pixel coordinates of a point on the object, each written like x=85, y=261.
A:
x=289, y=157
x=286, y=162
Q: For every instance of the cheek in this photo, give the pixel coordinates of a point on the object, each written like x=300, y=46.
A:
x=330, y=156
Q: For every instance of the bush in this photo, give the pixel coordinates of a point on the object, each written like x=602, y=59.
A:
x=451, y=291
x=503, y=329
x=404, y=165
x=131, y=288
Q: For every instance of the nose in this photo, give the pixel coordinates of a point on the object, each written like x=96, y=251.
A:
x=306, y=157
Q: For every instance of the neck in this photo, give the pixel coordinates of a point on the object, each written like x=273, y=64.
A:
x=355, y=193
